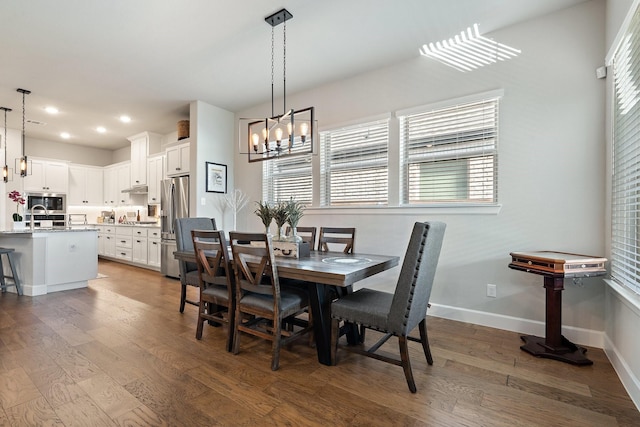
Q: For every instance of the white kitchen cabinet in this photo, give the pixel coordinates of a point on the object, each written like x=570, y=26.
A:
x=139, y=252
x=107, y=243
x=85, y=186
x=153, y=251
x=178, y=159
x=124, y=243
x=117, y=178
x=123, y=175
x=47, y=176
x=155, y=174
x=141, y=145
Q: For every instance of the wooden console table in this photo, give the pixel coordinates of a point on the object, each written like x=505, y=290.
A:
x=555, y=267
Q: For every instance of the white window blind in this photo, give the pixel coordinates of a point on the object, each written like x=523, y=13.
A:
x=288, y=177
x=625, y=212
x=449, y=155
x=354, y=165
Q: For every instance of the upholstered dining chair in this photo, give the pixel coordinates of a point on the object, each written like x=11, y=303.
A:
x=215, y=273
x=261, y=304
x=399, y=313
x=308, y=234
x=337, y=235
x=184, y=242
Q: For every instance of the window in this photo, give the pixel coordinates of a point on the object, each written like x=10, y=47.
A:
x=288, y=177
x=625, y=210
x=449, y=155
x=353, y=165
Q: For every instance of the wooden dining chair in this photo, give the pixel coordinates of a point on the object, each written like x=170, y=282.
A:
x=337, y=236
x=184, y=242
x=215, y=274
x=399, y=313
x=261, y=304
x=308, y=235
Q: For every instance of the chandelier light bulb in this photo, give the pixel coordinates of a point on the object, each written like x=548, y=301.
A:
x=304, y=129
x=255, y=139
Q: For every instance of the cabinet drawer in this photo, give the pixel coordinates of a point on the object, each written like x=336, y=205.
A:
x=139, y=232
x=125, y=242
x=124, y=231
x=124, y=253
x=108, y=229
x=153, y=233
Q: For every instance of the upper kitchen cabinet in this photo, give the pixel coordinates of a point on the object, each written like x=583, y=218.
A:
x=117, y=178
x=155, y=174
x=178, y=159
x=141, y=145
x=85, y=186
x=47, y=176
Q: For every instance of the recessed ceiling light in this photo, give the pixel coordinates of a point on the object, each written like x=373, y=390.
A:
x=65, y=135
x=51, y=110
x=125, y=119
x=101, y=129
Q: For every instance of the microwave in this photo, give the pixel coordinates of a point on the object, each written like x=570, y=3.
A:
x=53, y=202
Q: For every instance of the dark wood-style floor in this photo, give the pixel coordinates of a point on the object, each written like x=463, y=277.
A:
x=120, y=353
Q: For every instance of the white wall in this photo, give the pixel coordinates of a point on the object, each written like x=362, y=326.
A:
x=551, y=168
x=68, y=152
x=211, y=135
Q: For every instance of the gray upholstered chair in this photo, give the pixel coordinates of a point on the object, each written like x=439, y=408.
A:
x=184, y=242
x=215, y=274
x=399, y=313
x=261, y=304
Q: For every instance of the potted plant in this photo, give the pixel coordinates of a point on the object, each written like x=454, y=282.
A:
x=280, y=216
x=17, y=218
x=295, y=211
x=265, y=213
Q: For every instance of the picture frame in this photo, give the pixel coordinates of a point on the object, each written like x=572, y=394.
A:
x=216, y=178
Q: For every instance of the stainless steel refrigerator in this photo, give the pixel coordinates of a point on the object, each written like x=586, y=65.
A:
x=174, y=203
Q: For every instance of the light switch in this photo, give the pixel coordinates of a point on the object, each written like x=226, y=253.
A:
x=203, y=201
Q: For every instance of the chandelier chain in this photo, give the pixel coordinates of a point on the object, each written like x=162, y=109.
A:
x=284, y=67
x=272, y=66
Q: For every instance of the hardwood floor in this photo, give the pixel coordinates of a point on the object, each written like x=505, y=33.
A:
x=120, y=353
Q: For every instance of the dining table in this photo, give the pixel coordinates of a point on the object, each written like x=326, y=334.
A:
x=322, y=273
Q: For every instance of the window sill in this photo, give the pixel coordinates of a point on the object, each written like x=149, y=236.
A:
x=407, y=210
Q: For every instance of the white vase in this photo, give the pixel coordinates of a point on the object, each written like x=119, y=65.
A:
x=19, y=225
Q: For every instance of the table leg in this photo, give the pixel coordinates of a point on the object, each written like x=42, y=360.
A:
x=320, y=306
x=554, y=345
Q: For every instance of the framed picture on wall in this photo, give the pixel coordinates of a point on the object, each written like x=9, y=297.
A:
x=216, y=178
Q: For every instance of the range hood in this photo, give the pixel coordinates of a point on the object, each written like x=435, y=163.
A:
x=137, y=189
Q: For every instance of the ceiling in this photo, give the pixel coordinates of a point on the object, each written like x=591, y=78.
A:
x=95, y=60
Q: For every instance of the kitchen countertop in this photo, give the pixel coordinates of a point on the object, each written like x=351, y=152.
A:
x=129, y=225
x=51, y=230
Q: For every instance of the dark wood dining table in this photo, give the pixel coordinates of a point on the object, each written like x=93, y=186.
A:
x=321, y=271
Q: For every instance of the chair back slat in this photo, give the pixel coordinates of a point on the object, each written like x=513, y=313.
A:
x=337, y=235
x=212, y=256
x=413, y=289
x=253, y=264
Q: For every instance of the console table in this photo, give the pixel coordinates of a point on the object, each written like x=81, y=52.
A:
x=555, y=267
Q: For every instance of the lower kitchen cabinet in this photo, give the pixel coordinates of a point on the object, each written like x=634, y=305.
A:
x=139, y=246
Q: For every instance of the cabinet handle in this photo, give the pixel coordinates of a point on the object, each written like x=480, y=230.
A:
x=123, y=241
x=177, y=169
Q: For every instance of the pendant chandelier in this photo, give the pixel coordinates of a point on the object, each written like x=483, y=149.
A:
x=289, y=133
x=22, y=166
x=5, y=169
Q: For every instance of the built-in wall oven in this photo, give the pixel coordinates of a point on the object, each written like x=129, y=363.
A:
x=55, y=205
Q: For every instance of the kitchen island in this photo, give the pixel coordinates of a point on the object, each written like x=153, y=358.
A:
x=52, y=260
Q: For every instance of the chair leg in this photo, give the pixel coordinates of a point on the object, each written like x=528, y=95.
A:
x=183, y=296
x=231, y=335
x=335, y=335
x=424, y=339
x=201, y=310
x=277, y=334
x=406, y=365
x=236, y=332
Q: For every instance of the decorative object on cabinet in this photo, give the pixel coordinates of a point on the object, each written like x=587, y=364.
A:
x=5, y=168
x=289, y=133
x=22, y=165
x=183, y=129
x=216, y=178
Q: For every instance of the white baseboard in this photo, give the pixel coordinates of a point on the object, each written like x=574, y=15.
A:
x=625, y=373
x=509, y=323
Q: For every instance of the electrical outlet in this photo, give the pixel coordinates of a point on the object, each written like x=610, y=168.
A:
x=492, y=290
x=203, y=201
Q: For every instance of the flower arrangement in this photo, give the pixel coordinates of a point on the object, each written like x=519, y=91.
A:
x=282, y=213
x=280, y=216
x=20, y=200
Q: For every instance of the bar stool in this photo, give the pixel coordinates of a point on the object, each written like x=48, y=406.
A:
x=16, y=281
